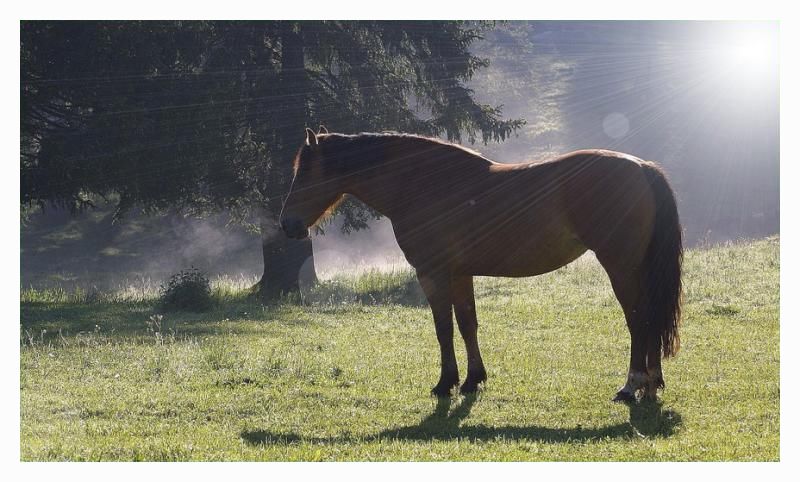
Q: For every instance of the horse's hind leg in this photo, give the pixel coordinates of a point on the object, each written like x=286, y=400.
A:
x=437, y=290
x=628, y=290
x=654, y=374
x=463, y=297
x=644, y=373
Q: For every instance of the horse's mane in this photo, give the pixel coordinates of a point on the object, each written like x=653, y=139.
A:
x=403, y=135
x=369, y=146
x=372, y=142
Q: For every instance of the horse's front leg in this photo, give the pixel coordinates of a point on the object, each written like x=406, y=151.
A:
x=437, y=290
x=463, y=297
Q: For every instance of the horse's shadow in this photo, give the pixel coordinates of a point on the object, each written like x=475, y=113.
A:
x=646, y=419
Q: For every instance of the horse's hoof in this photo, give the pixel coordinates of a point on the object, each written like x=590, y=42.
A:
x=624, y=397
x=472, y=384
x=444, y=389
x=473, y=381
x=469, y=387
x=441, y=392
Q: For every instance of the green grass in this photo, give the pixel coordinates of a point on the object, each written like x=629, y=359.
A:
x=347, y=375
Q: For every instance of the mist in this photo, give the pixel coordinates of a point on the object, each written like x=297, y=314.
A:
x=371, y=249
x=87, y=250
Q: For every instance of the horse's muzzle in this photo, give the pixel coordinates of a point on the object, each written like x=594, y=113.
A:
x=294, y=228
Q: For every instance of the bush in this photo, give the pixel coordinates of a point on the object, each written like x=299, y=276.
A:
x=188, y=290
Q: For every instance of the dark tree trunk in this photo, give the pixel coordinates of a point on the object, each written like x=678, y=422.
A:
x=288, y=263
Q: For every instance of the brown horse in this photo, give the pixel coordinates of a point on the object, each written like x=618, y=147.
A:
x=457, y=214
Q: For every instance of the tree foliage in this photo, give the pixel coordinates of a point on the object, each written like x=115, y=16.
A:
x=198, y=116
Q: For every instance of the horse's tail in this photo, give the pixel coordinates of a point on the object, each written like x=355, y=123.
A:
x=662, y=264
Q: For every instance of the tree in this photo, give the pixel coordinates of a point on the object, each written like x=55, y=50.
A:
x=206, y=116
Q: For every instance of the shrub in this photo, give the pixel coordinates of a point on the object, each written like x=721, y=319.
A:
x=188, y=290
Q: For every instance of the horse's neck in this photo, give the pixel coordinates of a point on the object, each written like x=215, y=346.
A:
x=399, y=171
x=387, y=173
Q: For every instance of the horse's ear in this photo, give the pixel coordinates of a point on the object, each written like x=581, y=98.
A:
x=322, y=130
x=311, y=138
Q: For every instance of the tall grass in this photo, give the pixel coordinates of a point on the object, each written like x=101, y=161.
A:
x=399, y=286
x=396, y=286
x=139, y=290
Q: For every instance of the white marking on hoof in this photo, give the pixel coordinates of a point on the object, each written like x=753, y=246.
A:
x=636, y=380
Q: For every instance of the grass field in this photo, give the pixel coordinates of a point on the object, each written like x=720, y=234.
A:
x=346, y=376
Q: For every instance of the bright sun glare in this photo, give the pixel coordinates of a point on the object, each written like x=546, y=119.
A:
x=751, y=49
x=750, y=52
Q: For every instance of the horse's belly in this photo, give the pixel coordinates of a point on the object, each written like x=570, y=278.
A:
x=523, y=251
x=493, y=236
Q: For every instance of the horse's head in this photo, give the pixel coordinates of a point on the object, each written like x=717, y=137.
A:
x=312, y=193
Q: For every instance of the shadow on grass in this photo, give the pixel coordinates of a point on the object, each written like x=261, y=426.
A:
x=123, y=319
x=647, y=419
